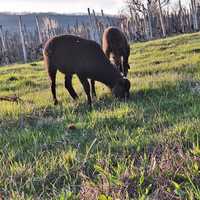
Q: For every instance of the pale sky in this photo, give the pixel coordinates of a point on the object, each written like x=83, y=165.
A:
x=61, y=6
x=64, y=6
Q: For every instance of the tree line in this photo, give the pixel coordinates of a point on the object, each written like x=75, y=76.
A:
x=155, y=18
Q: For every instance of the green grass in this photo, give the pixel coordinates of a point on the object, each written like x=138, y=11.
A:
x=145, y=148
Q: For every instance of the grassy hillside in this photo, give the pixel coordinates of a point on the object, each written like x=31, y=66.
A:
x=146, y=148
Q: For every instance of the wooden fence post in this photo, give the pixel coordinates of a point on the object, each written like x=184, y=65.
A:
x=38, y=29
x=22, y=40
x=97, y=28
x=146, y=25
x=149, y=15
x=194, y=15
x=133, y=25
x=3, y=44
x=2, y=38
x=92, y=31
x=105, y=19
x=161, y=19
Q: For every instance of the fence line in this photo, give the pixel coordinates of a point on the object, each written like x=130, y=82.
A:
x=26, y=46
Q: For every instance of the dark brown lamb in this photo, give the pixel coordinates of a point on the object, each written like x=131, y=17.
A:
x=74, y=55
x=116, y=48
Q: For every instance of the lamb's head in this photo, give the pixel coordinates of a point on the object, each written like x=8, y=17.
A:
x=121, y=88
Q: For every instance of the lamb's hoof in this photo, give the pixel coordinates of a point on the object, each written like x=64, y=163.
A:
x=90, y=106
x=76, y=98
x=55, y=102
x=94, y=97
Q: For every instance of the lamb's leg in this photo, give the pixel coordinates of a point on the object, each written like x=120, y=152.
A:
x=93, y=88
x=86, y=87
x=52, y=76
x=122, y=66
x=69, y=87
x=126, y=66
x=125, y=61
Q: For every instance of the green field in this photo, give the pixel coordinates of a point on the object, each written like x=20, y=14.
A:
x=145, y=148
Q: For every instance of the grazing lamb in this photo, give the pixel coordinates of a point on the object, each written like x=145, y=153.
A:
x=74, y=55
x=116, y=48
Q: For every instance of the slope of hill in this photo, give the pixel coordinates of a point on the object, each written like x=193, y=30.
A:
x=145, y=148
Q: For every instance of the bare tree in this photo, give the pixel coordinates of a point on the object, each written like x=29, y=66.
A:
x=194, y=14
x=160, y=4
x=143, y=7
x=146, y=8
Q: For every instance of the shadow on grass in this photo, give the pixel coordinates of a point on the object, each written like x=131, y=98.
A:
x=175, y=102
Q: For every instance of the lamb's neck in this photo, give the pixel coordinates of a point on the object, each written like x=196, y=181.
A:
x=110, y=77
